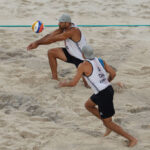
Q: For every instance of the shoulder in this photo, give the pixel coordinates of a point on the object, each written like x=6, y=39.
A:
x=73, y=30
x=86, y=64
x=83, y=65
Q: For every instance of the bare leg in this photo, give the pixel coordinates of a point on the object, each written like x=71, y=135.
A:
x=107, y=132
x=90, y=106
x=111, y=125
x=53, y=54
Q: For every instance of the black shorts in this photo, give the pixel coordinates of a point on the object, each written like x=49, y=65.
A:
x=71, y=59
x=104, y=100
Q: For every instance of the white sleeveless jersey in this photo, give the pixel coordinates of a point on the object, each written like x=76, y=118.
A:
x=74, y=48
x=98, y=79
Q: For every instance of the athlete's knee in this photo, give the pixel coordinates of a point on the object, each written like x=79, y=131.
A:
x=85, y=105
x=88, y=106
x=107, y=122
x=51, y=53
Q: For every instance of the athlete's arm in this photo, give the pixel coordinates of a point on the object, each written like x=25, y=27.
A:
x=110, y=70
x=35, y=44
x=58, y=37
x=76, y=79
x=58, y=31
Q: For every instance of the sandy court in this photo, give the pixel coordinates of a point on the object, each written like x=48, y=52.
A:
x=37, y=115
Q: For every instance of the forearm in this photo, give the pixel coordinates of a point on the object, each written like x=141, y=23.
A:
x=75, y=80
x=45, y=40
x=49, y=38
x=68, y=84
x=110, y=78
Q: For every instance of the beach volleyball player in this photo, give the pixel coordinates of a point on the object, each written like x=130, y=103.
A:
x=74, y=41
x=95, y=74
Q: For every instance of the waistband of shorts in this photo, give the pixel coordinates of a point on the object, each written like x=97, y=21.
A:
x=109, y=86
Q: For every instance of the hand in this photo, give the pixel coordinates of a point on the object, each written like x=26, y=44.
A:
x=32, y=46
x=120, y=84
x=61, y=84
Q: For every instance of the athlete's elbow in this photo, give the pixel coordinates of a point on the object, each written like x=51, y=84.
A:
x=113, y=75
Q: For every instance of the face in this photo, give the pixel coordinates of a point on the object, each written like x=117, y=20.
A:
x=63, y=25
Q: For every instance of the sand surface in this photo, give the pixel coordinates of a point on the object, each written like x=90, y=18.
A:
x=37, y=115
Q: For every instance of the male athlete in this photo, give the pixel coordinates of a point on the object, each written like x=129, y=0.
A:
x=74, y=41
x=95, y=75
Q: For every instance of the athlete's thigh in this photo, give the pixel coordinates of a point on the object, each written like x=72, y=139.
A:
x=90, y=103
x=58, y=53
x=107, y=120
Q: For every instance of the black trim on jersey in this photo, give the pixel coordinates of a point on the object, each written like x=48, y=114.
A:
x=78, y=47
x=90, y=75
x=93, y=84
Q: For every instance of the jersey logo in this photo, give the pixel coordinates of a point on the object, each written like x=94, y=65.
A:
x=98, y=69
x=101, y=75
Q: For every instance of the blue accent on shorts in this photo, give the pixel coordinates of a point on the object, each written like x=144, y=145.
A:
x=101, y=61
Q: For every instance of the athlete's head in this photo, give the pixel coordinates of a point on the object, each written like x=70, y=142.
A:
x=87, y=52
x=64, y=21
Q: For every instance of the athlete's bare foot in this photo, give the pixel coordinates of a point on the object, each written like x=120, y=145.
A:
x=54, y=77
x=120, y=84
x=107, y=132
x=133, y=142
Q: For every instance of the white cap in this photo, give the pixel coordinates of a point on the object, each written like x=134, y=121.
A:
x=88, y=52
x=65, y=18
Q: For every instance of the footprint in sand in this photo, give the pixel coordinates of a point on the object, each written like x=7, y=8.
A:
x=36, y=148
x=35, y=110
x=3, y=123
x=139, y=109
x=4, y=56
x=37, y=118
x=19, y=54
x=147, y=146
x=145, y=70
x=8, y=102
x=145, y=126
x=14, y=54
x=119, y=87
x=63, y=73
x=28, y=134
x=118, y=120
x=88, y=131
